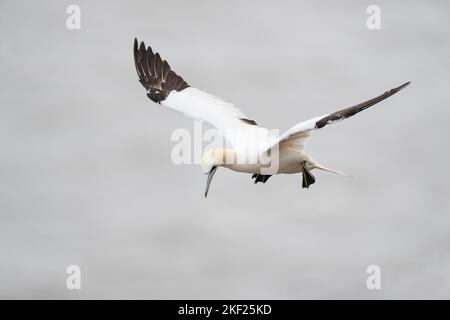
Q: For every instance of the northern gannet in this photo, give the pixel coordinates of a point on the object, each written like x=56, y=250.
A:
x=250, y=143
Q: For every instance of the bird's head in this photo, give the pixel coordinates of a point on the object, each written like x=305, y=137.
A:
x=214, y=158
x=217, y=157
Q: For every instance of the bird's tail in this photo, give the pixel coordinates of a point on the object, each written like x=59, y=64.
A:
x=320, y=167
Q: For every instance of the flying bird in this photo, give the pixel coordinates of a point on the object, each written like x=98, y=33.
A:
x=250, y=144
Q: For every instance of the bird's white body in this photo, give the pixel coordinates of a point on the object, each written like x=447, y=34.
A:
x=288, y=162
x=249, y=142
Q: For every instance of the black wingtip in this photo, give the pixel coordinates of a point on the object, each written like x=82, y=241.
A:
x=397, y=89
x=155, y=73
x=402, y=86
x=142, y=46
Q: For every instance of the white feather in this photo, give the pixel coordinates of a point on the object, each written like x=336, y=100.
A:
x=224, y=116
x=297, y=135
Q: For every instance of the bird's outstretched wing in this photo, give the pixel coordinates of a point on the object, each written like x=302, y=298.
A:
x=301, y=131
x=155, y=74
x=167, y=88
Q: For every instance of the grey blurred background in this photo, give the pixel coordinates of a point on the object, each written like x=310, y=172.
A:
x=86, y=176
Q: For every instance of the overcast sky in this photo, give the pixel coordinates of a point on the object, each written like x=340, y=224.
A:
x=86, y=176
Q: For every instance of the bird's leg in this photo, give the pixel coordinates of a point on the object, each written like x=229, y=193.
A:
x=261, y=177
x=308, y=178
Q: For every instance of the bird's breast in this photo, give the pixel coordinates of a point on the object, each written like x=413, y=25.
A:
x=283, y=162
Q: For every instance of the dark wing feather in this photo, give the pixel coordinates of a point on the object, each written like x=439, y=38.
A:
x=348, y=112
x=155, y=74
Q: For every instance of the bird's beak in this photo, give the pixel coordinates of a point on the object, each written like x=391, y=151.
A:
x=209, y=179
